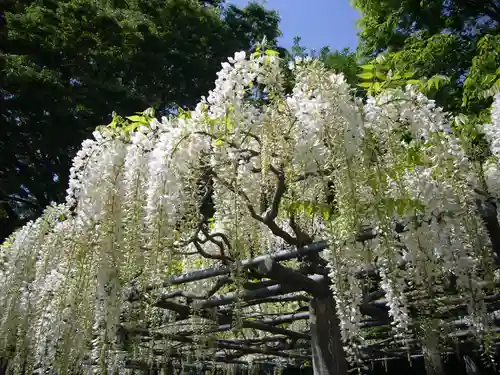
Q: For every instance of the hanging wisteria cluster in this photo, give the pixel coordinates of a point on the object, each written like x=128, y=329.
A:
x=405, y=203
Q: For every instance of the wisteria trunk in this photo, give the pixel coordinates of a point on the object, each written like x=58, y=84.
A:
x=432, y=356
x=326, y=342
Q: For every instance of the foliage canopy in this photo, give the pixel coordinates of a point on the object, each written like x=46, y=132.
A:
x=457, y=39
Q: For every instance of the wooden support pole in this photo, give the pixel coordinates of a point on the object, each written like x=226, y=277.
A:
x=326, y=342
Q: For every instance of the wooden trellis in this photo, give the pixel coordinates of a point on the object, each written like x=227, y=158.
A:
x=319, y=344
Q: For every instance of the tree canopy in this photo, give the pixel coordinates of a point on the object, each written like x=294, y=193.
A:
x=385, y=184
x=457, y=39
x=66, y=65
x=343, y=61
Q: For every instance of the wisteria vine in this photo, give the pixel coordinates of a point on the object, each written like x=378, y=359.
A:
x=133, y=211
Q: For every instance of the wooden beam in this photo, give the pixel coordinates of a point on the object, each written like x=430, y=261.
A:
x=247, y=349
x=178, y=364
x=222, y=344
x=226, y=299
x=291, y=278
x=279, y=299
x=259, y=285
x=180, y=309
x=287, y=318
x=223, y=270
x=255, y=324
x=259, y=325
x=259, y=340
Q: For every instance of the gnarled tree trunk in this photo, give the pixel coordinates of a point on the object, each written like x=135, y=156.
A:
x=326, y=342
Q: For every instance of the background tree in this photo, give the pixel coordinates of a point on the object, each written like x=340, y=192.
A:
x=66, y=65
x=339, y=61
x=454, y=38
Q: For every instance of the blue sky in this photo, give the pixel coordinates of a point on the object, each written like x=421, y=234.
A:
x=319, y=22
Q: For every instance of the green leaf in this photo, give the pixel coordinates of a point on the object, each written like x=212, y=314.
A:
x=367, y=67
x=380, y=59
x=258, y=51
x=400, y=206
x=367, y=75
x=130, y=128
x=461, y=119
x=229, y=125
x=326, y=214
x=489, y=78
x=219, y=142
x=365, y=84
x=139, y=119
x=381, y=76
x=430, y=83
x=391, y=85
x=270, y=52
x=398, y=83
x=413, y=81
